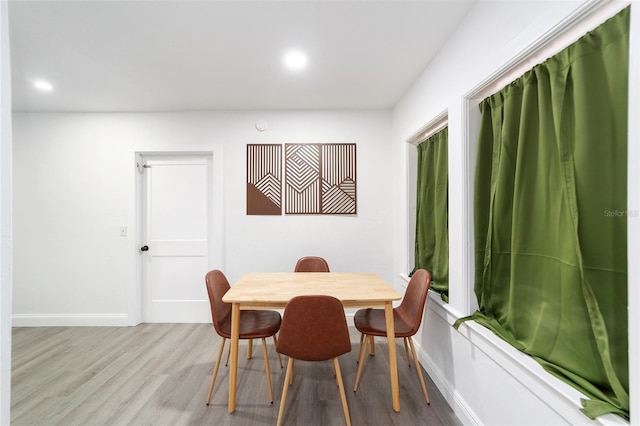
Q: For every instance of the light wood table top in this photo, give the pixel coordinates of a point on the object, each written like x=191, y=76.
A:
x=275, y=289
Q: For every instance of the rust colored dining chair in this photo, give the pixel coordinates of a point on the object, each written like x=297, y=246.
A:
x=407, y=318
x=312, y=264
x=314, y=328
x=253, y=324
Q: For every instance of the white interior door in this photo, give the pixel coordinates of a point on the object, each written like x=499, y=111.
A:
x=177, y=236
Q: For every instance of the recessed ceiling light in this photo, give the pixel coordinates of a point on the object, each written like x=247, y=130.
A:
x=43, y=86
x=295, y=59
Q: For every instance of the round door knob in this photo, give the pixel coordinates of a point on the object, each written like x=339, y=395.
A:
x=144, y=248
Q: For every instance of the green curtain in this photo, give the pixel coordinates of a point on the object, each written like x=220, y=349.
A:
x=550, y=215
x=432, y=227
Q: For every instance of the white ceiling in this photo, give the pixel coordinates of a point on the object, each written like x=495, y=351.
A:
x=207, y=55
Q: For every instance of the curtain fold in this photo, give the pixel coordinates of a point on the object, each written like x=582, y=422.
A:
x=432, y=227
x=550, y=216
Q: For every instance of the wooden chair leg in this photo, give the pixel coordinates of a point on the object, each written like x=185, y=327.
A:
x=335, y=374
x=362, y=335
x=215, y=370
x=360, y=364
x=343, y=397
x=249, y=353
x=266, y=368
x=292, y=363
x=419, y=370
x=372, y=350
x=275, y=343
x=406, y=351
x=283, y=399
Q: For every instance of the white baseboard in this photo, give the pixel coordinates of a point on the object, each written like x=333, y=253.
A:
x=73, y=320
x=448, y=391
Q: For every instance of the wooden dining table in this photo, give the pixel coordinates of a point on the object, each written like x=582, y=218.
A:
x=272, y=290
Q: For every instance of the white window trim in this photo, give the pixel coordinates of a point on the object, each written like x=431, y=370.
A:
x=432, y=127
x=436, y=124
x=633, y=224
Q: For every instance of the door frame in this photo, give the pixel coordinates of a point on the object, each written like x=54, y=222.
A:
x=216, y=228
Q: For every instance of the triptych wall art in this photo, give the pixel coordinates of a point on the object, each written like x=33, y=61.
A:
x=302, y=179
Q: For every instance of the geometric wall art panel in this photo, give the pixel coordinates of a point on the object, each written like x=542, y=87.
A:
x=305, y=179
x=302, y=179
x=320, y=179
x=338, y=174
x=264, y=179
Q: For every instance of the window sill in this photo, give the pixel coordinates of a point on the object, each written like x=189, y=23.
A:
x=527, y=371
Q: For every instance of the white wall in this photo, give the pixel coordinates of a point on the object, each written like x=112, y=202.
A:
x=5, y=219
x=485, y=380
x=74, y=180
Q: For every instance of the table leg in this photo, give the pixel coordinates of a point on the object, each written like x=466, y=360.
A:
x=233, y=370
x=393, y=361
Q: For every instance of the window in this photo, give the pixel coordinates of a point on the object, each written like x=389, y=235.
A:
x=432, y=227
x=550, y=215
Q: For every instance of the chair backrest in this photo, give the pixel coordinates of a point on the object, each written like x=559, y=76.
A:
x=314, y=328
x=412, y=306
x=217, y=286
x=311, y=264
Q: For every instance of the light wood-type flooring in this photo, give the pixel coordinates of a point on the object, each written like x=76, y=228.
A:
x=159, y=374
